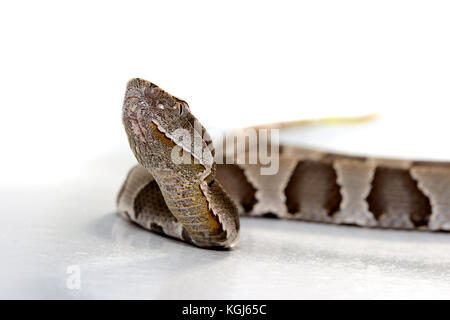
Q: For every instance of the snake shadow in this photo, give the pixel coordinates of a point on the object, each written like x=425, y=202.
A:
x=118, y=231
x=113, y=227
x=347, y=230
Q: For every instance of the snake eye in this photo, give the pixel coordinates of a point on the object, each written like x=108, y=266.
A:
x=182, y=109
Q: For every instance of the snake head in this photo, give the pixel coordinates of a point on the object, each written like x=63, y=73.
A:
x=147, y=108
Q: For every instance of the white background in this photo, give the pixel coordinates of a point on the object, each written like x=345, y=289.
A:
x=63, y=70
x=64, y=66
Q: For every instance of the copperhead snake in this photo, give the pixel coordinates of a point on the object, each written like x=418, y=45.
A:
x=200, y=201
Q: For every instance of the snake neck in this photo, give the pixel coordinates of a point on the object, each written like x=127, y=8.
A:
x=188, y=203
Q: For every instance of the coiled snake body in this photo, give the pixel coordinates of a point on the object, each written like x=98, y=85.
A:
x=199, y=201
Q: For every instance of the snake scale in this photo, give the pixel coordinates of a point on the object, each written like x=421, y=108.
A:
x=199, y=201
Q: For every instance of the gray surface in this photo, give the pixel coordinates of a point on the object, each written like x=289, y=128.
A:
x=45, y=229
x=274, y=259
